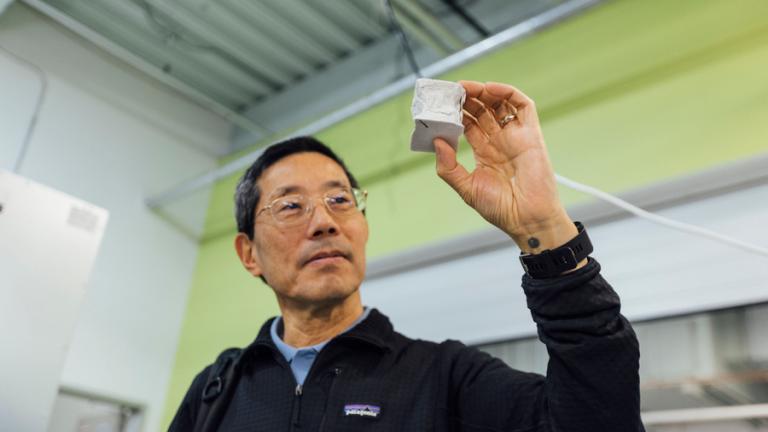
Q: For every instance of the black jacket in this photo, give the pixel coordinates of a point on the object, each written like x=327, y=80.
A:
x=591, y=385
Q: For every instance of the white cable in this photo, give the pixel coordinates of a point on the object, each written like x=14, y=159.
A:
x=661, y=220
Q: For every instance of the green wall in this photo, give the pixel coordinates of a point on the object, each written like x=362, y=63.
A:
x=630, y=92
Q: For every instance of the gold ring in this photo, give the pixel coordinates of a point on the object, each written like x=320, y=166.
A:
x=507, y=118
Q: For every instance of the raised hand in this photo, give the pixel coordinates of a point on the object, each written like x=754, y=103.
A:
x=513, y=184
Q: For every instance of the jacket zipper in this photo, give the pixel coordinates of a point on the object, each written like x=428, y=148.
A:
x=296, y=406
x=298, y=390
x=336, y=372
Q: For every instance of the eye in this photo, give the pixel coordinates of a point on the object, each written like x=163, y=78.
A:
x=340, y=199
x=289, y=205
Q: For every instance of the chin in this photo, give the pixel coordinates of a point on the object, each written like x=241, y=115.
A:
x=327, y=288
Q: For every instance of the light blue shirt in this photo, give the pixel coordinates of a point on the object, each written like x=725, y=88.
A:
x=301, y=359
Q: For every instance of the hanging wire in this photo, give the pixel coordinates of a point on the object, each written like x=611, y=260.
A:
x=661, y=220
x=24, y=146
x=403, y=38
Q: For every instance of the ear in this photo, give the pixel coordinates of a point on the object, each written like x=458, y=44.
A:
x=247, y=253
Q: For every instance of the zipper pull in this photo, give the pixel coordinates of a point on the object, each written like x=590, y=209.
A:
x=297, y=405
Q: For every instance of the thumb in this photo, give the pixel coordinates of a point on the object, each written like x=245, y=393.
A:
x=448, y=168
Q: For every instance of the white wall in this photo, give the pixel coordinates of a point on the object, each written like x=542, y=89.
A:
x=112, y=137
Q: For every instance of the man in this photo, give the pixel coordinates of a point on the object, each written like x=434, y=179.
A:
x=330, y=364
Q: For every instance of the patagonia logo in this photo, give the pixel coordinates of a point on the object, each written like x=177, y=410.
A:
x=362, y=410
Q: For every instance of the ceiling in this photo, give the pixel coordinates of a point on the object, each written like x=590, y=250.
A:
x=274, y=64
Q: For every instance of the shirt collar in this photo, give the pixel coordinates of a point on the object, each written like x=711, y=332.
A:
x=289, y=352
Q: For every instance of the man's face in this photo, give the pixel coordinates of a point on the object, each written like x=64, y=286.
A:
x=291, y=258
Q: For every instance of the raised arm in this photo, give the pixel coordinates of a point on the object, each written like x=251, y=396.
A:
x=592, y=382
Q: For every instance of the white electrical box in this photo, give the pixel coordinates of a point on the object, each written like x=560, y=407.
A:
x=48, y=244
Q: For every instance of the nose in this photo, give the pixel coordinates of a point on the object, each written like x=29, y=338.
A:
x=321, y=222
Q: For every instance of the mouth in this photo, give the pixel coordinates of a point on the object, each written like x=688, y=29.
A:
x=327, y=257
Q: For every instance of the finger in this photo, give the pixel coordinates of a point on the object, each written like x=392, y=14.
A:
x=498, y=91
x=475, y=135
x=449, y=169
x=505, y=108
x=493, y=94
x=473, y=89
x=486, y=118
x=524, y=105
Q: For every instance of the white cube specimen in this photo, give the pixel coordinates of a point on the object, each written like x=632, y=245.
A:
x=436, y=111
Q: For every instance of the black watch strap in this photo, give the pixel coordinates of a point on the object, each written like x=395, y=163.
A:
x=554, y=262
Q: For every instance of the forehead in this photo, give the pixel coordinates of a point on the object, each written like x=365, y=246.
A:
x=302, y=171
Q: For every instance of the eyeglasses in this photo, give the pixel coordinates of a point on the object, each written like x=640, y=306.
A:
x=295, y=209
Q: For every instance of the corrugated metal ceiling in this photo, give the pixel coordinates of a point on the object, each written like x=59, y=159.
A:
x=238, y=52
x=277, y=63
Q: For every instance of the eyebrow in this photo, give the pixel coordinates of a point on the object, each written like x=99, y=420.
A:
x=285, y=190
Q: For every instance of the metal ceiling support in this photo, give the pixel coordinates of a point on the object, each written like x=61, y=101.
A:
x=432, y=24
x=472, y=52
x=140, y=64
x=705, y=415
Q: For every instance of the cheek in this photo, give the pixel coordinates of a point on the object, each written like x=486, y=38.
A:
x=275, y=251
x=360, y=239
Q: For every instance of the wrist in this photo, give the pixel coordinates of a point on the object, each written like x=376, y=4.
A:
x=560, y=260
x=536, y=238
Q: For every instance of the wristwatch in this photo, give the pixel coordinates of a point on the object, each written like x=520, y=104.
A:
x=554, y=262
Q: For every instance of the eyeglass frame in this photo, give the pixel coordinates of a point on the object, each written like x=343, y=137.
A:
x=360, y=196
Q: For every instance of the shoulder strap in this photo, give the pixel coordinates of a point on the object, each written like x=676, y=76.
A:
x=218, y=390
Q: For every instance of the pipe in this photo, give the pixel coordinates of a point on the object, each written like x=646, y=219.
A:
x=22, y=151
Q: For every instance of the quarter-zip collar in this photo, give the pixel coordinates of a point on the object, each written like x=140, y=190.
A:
x=375, y=331
x=301, y=359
